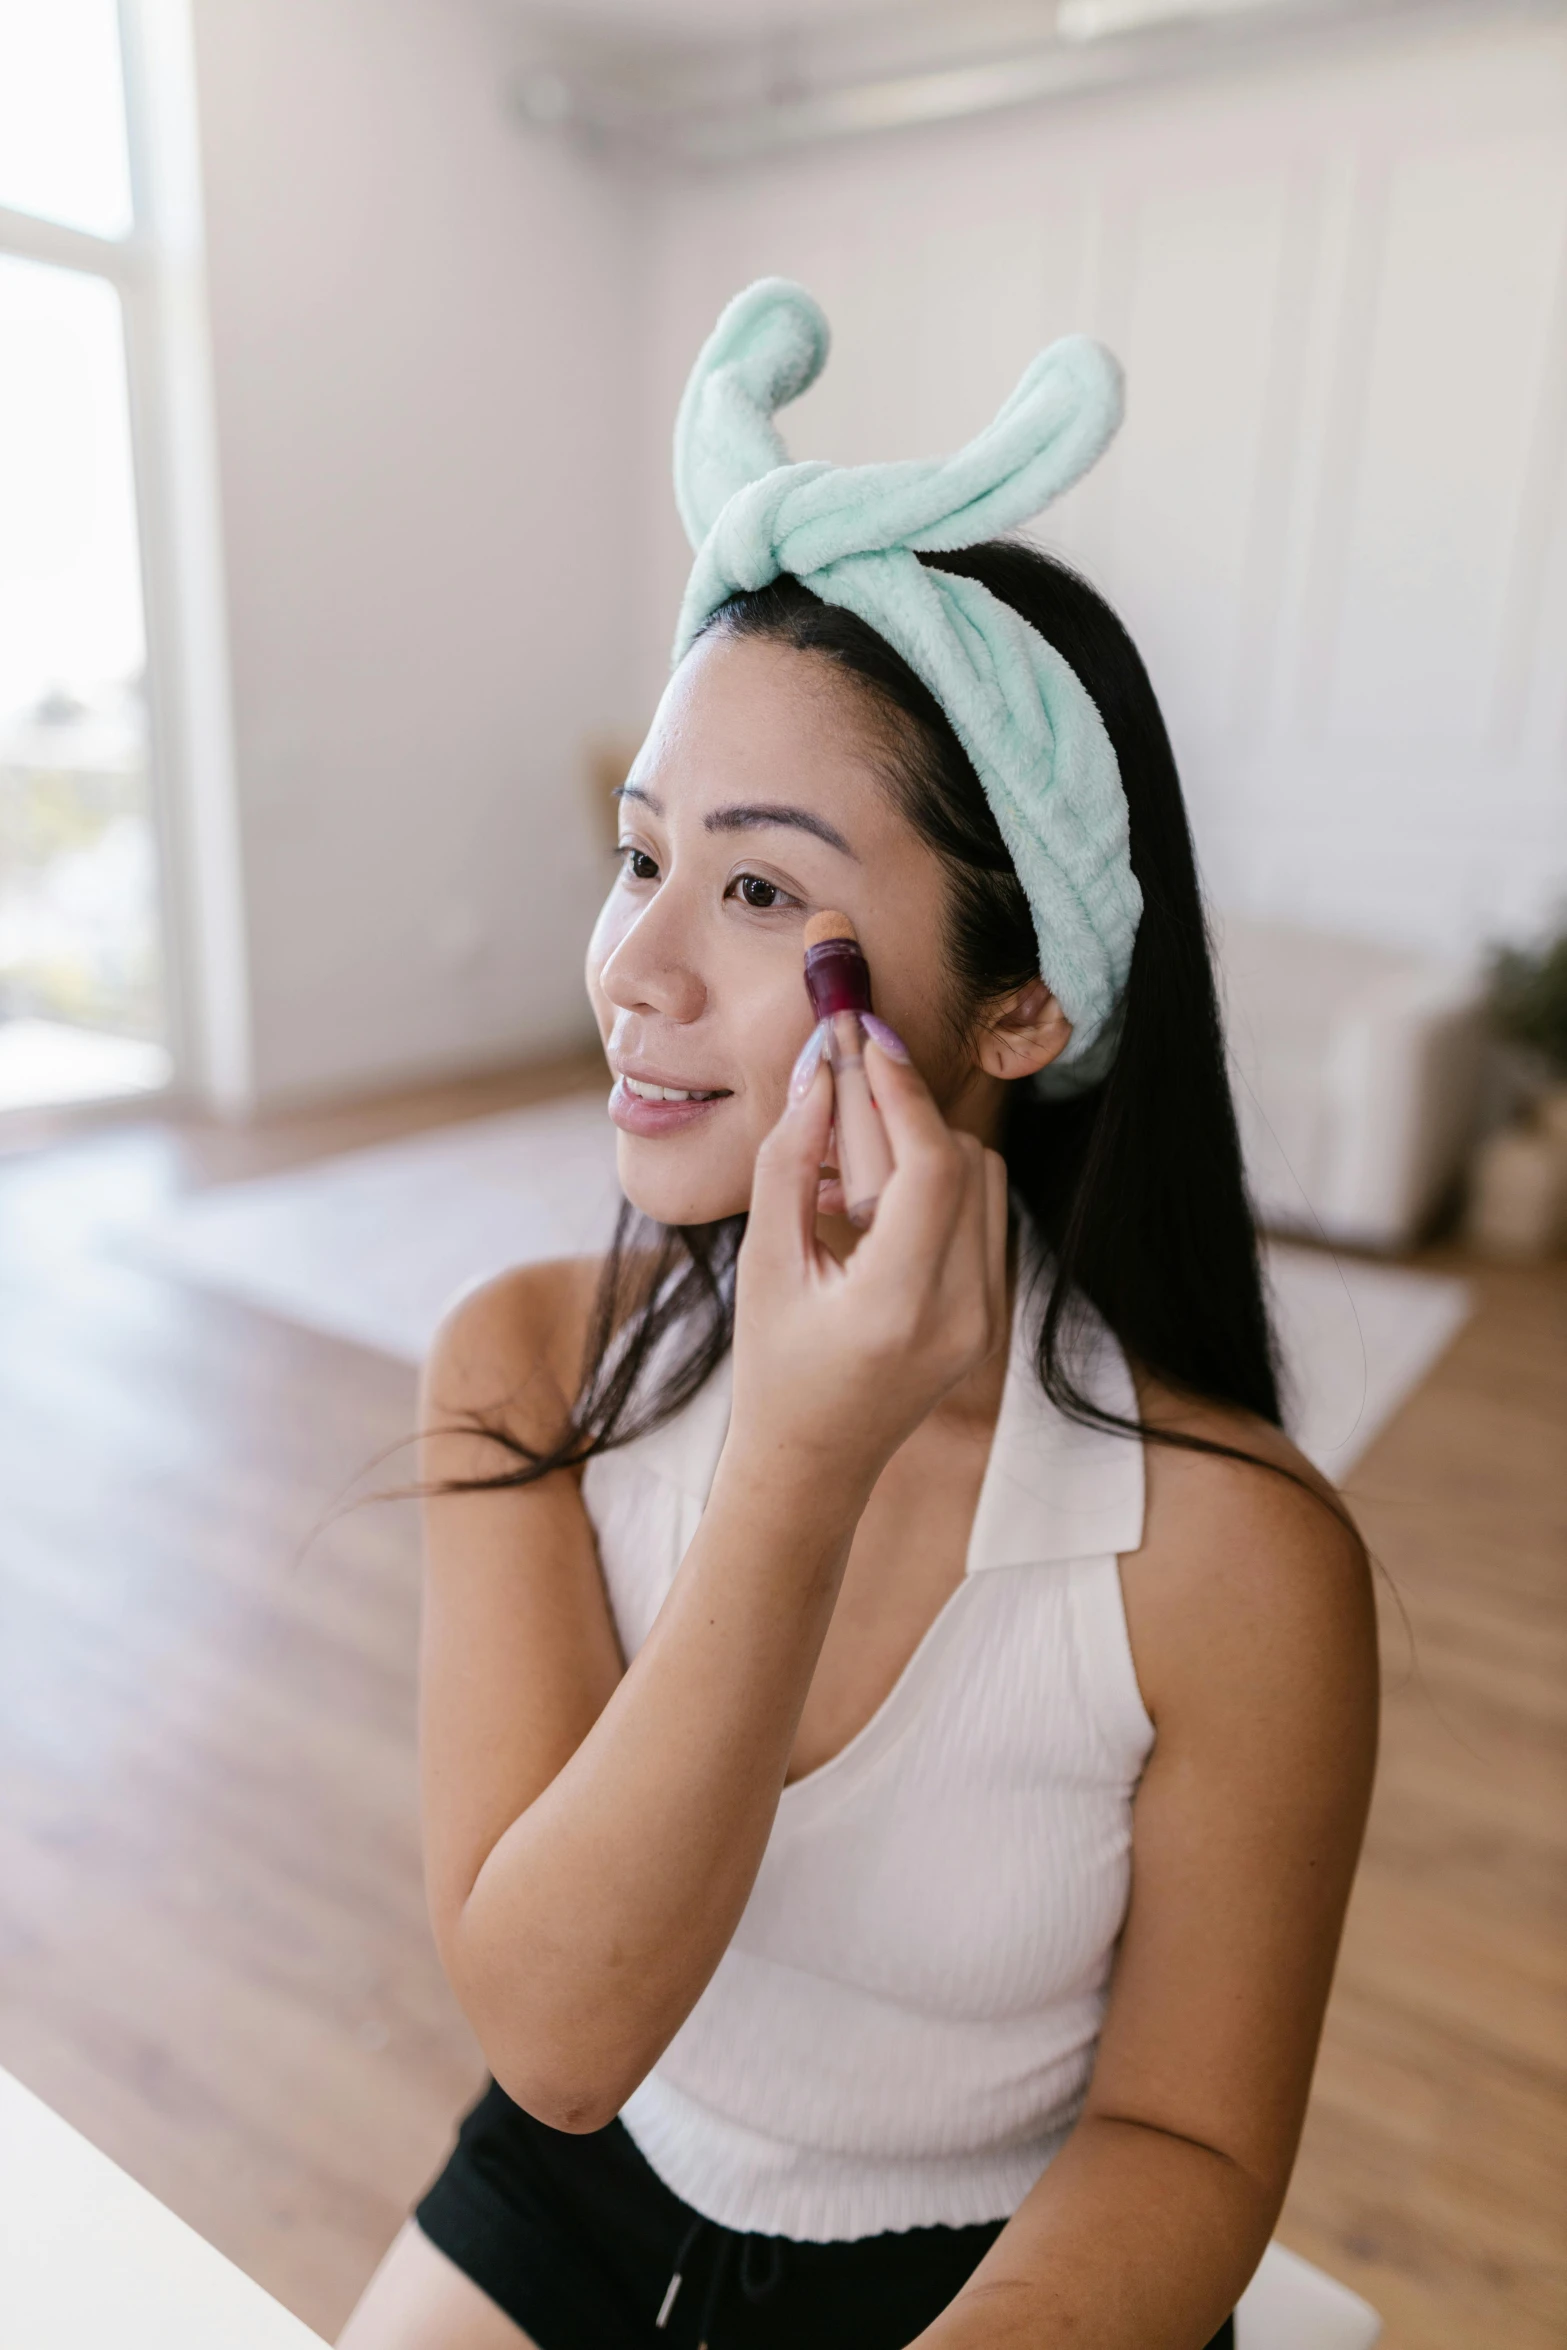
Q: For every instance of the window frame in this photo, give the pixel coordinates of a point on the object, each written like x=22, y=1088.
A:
x=158, y=271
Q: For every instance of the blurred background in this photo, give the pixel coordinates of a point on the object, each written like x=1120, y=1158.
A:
x=339, y=348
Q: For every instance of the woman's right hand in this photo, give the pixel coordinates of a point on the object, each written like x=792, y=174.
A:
x=838, y=1363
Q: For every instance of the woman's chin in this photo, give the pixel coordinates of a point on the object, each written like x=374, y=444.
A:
x=670, y=1194
x=658, y=1187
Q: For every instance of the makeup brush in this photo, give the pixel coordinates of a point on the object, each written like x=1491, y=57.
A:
x=838, y=981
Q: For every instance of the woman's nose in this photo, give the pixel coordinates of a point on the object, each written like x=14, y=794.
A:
x=645, y=974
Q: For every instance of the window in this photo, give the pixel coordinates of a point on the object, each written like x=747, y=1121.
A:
x=63, y=148
x=82, y=964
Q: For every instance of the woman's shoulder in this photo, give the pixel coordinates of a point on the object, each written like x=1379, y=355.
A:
x=1251, y=1565
x=1187, y=1480
x=509, y=1353
x=528, y=1322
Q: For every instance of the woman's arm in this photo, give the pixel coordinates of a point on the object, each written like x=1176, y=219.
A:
x=593, y=1836
x=588, y=1860
x=1253, y=1625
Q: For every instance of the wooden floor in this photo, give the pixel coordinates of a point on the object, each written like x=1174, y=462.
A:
x=213, y=1956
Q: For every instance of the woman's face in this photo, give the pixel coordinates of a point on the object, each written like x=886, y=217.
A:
x=756, y=801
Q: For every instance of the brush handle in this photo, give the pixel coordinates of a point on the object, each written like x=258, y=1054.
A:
x=864, y=1154
x=838, y=980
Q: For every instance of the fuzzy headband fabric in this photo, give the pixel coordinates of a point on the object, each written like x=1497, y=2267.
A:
x=852, y=535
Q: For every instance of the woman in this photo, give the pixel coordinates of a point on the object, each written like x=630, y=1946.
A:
x=898, y=1726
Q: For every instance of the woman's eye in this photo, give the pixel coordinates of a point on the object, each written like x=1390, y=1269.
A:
x=761, y=896
x=639, y=865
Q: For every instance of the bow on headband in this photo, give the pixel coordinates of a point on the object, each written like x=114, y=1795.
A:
x=852, y=534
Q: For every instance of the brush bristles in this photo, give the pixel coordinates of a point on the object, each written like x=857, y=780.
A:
x=823, y=926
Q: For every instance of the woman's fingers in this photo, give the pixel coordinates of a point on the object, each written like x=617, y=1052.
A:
x=908, y=1110
x=942, y=1217
x=788, y=1168
x=857, y=1355
x=925, y=1188
x=945, y=1207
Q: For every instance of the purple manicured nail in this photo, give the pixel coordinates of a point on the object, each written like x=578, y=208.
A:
x=890, y=1041
x=805, y=1067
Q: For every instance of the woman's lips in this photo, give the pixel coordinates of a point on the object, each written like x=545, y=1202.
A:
x=635, y=1113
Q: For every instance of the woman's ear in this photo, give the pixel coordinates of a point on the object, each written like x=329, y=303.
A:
x=1022, y=1032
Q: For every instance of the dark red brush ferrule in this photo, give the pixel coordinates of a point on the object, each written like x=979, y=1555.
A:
x=837, y=978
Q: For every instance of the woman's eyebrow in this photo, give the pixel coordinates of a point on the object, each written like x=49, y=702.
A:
x=748, y=816
x=752, y=816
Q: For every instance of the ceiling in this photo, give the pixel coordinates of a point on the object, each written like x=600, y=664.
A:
x=713, y=20
x=692, y=84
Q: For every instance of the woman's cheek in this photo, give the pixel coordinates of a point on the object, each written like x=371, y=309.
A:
x=777, y=1026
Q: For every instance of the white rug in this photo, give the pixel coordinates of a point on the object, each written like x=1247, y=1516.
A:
x=374, y=1246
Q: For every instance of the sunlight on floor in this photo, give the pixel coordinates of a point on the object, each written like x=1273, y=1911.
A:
x=43, y=1062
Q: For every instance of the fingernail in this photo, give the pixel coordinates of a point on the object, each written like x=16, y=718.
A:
x=890, y=1041
x=805, y=1067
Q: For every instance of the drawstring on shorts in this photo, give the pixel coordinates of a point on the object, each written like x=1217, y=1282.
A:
x=755, y=2288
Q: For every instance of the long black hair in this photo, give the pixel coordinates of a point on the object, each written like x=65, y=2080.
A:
x=1136, y=1187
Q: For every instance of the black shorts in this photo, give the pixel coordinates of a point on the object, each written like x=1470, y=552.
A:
x=579, y=2241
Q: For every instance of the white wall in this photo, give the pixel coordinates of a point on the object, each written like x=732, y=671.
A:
x=1336, y=520
x=446, y=358
x=421, y=338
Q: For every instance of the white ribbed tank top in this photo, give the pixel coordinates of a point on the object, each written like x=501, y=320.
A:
x=901, y=2031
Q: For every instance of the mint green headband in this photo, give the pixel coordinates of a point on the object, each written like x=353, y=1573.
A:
x=851, y=534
